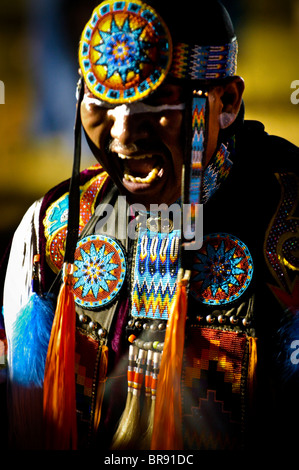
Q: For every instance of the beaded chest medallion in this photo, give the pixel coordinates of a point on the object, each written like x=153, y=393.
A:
x=100, y=270
x=222, y=270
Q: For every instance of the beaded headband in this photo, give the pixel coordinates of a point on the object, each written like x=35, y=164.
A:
x=204, y=62
x=126, y=51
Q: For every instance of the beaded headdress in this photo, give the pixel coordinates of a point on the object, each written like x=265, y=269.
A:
x=126, y=51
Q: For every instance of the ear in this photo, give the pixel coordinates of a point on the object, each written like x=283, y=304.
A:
x=232, y=95
x=231, y=100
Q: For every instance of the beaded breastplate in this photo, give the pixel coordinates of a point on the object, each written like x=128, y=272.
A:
x=222, y=273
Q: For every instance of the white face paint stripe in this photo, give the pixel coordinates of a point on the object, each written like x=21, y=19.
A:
x=138, y=108
x=89, y=100
x=131, y=108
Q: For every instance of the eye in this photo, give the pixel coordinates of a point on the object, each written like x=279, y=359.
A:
x=166, y=94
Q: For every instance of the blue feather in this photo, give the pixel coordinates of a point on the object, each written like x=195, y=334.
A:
x=30, y=339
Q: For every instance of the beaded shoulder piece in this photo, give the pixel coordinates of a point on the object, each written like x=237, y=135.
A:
x=281, y=245
x=56, y=218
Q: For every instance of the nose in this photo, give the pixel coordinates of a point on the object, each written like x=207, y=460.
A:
x=128, y=126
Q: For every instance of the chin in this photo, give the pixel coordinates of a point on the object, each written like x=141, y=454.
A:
x=150, y=196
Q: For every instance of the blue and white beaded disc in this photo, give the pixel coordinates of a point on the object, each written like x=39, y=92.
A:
x=222, y=270
x=125, y=51
x=99, y=272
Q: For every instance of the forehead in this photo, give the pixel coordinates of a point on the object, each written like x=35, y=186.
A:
x=169, y=92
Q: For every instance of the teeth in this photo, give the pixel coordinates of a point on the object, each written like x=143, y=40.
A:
x=138, y=179
x=138, y=157
x=147, y=179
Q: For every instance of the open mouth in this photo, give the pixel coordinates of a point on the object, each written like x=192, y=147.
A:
x=142, y=169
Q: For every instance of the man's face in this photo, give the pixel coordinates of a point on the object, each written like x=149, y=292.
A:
x=140, y=145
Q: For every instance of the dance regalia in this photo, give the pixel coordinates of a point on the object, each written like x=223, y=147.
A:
x=235, y=389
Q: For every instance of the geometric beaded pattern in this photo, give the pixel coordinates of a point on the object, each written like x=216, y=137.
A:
x=155, y=271
x=199, y=105
x=222, y=270
x=213, y=385
x=204, y=62
x=100, y=270
x=215, y=173
x=198, y=136
x=282, y=238
x=125, y=51
x=56, y=219
x=86, y=361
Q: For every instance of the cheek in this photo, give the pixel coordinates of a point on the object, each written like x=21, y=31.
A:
x=215, y=108
x=95, y=124
x=173, y=137
x=171, y=129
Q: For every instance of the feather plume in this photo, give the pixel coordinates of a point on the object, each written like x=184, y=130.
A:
x=30, y=339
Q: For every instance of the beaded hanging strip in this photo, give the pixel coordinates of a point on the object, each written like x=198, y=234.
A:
x=154, y=274
x=216, y=172
x=199, y=104
x=198, y=137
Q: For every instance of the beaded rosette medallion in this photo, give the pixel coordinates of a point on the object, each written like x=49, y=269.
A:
x=125, y=51
x=222, y=270
x=100, y=270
